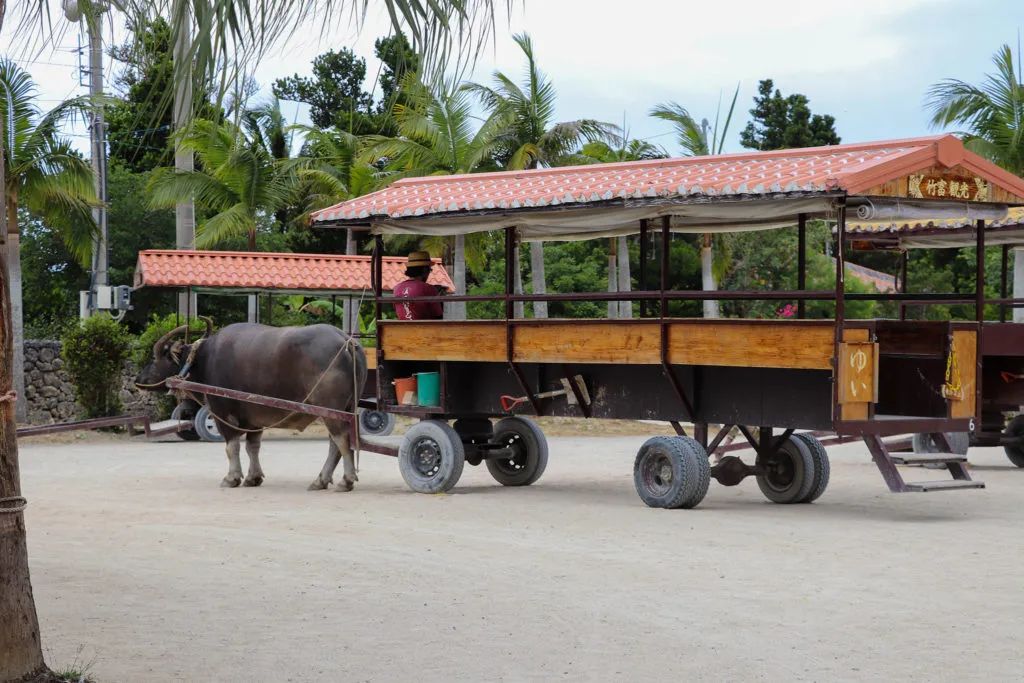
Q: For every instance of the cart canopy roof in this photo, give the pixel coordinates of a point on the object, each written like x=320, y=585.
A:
x=932, y=175
x=939, y=233
x=246, y=271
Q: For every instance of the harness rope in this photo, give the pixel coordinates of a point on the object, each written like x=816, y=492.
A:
x=20, y=503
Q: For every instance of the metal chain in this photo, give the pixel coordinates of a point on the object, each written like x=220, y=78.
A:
x=16, y=508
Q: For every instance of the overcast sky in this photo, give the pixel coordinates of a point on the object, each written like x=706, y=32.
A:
x=867, y=62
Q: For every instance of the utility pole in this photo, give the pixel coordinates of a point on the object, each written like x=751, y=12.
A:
x=98, y=135
x=184, y=212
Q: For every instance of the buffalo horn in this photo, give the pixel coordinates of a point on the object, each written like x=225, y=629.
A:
x=167, y=337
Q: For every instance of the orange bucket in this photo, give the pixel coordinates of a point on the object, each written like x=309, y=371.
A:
x=405, y=390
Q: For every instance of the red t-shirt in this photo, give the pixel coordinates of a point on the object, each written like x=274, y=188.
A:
x=417, y=310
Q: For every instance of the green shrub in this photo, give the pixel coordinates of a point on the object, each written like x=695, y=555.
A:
x=94, y=354
x=142, y=353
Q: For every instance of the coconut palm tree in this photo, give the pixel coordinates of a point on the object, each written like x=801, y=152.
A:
x=438, y=134
x=701, y=139
x=531, y=138
x=238, y=181
x=992, y=115
x=44, y=176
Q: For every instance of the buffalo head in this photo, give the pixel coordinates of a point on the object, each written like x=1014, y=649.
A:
x=169, y=354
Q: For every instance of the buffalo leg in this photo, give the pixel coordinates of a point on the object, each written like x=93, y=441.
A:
x=252, y=448
x=326, y=476
x=340, y=439
x=233, y=446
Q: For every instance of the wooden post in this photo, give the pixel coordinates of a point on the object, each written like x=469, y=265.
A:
x=840, y=266
x=510, y=265
x=377, y=267
x=904, y=258
x=979, y=295
x=642, y=275
x=666, y=243
x=801, y=261
x=1003, y=266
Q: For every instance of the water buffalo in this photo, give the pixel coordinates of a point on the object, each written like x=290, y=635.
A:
x=316, y=364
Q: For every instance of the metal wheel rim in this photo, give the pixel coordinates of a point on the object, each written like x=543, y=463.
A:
x=211, y=425
x=656, y=472
x=426, y=457
x=780, y=471
x=518, y=462
x=373, y=420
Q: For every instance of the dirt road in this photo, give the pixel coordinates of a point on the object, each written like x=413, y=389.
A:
x=143, y=564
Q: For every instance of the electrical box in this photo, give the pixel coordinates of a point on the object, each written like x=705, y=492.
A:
x=114, y=298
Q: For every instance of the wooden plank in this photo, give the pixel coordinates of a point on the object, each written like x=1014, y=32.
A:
x=858, y=410
x=371, y=359
x=965, y=356
x=444, y=340
x=571, y=342
x=752, y=345
x=858, y=370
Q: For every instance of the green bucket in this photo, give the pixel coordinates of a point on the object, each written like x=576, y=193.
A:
x=428, y=388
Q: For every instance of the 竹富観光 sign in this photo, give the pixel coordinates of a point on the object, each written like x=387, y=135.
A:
x=965, y=188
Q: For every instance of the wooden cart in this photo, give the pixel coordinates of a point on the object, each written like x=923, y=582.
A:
x=769, y=378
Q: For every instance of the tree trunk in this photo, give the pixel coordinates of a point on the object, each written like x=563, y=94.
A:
x=625, y=285
x=456, y=310
x=707, y=274
x=540, y=308
x=518, y=308
x=21, y=652
x=613, y=280
x=1018, y=283
x=11, y=253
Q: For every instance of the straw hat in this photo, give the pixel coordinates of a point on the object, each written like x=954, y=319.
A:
x=418, y=259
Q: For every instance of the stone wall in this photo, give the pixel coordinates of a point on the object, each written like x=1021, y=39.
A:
x=50, y=393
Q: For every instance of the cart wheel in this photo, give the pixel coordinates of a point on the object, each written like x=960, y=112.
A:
x=671, y=472
x=530, y=445
x=376, y=422
x=431, y=457
x=958, y=441
x=206, y=426
x=822, y=469
x=787, y=475
x=1015, y=453
x=185, y=411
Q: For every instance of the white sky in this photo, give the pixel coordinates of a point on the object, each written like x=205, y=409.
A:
x=866, y=62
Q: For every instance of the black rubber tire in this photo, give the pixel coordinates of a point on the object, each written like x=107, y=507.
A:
x=822, y=468
x=1015, y=453
x=958, y=441
x=206, y=426
x=788, y=474
x=528, y=440
x=671, y=472
x=185, y=411
x=376, y=423
x=431, y=457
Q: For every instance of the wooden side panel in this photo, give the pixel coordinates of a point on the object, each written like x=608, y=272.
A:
x=781, y=345
x=965, y=357
x=444, y=340
x=858, y=372
x=860, y=410
x=567, y=342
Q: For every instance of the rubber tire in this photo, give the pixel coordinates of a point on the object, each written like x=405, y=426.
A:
x=799, y=489
x=958, y=441
x=691, y=472
x=179, y=413
x=452, y=457
x=206, y=426
x=822, y=467
x=1015, y=453
x=530, y=435
x=377, y=426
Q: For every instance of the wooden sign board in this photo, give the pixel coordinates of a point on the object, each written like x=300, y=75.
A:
x=858, y=372
x=942, y=186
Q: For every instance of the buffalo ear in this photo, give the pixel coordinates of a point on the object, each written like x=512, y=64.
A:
x=176, y=348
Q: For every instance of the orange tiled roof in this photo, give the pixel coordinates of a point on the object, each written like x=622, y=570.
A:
x=267, y=270
x=838, y=168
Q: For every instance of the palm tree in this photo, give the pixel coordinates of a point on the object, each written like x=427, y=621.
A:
x=993, y=116
x=238, y=181
x=695, y=140
x=438, y=135
x=530, y=138
x=46, y=177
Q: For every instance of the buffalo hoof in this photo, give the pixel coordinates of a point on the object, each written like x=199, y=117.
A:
x=230, y=482
x=318, y=485
x=345, y=485
x=253, y=481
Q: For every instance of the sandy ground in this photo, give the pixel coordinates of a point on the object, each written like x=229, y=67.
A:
x=146, y=570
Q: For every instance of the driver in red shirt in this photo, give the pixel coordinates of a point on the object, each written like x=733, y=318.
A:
x=417, y=269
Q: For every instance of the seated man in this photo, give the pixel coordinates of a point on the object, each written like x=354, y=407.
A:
x=417, y=269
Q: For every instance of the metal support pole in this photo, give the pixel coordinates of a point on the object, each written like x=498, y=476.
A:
x=510, y=284
x=1003, y=267
x=184, y=212
x=666, y=242
x=378, y=278
x=643, y=265
x=801, y=261
x=980, y=314
x=840, y=265
x=904, y=258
